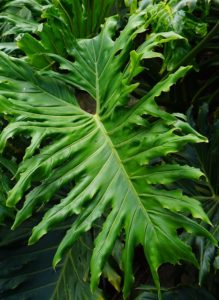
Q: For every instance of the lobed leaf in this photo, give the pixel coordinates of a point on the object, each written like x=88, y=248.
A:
x=106, y=159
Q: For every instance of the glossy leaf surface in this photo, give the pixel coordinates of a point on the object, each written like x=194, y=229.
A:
x=111, y=160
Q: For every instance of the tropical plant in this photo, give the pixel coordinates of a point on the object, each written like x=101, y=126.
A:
x=56, y=23
x=187, y=18
x=93, y=150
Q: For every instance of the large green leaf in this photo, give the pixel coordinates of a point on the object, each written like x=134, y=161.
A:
x=111, y=160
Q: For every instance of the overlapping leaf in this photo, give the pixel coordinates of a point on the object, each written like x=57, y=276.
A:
x=179, y=293
x=50, y=26
x=205, y=156
x=18, y=16
x=112, y=159
x=187, y=18
x=27, y=273
x=7, y=171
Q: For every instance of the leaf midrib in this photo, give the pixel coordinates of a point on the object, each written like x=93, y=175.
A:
x=117, y=157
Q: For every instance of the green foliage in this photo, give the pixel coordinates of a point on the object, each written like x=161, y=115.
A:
x=55, y=23
x=18, y=16
x=7, y=170
x=205, y=157
x=113, y=159
x=94, y=146
x=179, y=293
x=27, y=273
x=187, y=18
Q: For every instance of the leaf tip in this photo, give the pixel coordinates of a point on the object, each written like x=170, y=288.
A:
x=15, y=224
x=13, y=227
x=55, y=261
x=9, y=203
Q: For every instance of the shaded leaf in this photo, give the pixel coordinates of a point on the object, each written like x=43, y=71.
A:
x=179, y=293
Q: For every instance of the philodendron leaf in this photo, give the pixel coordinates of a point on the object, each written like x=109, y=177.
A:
x=107, y=158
